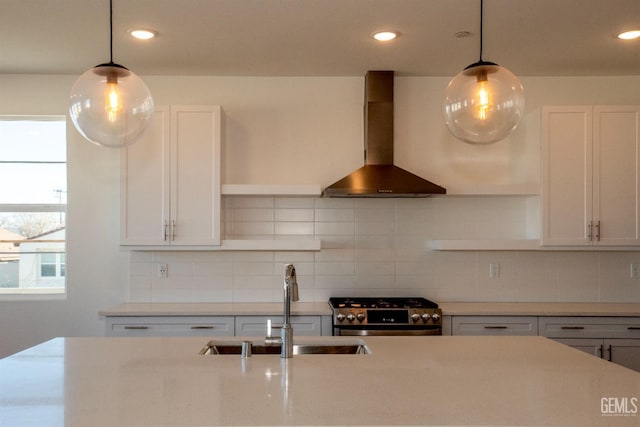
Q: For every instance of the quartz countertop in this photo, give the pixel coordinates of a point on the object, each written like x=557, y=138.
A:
x=216, y=309
x=540, y=309
x=463, y=381
x=323, y=309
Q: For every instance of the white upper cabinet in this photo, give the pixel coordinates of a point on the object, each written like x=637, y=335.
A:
x=170, y=183
x=590, y=176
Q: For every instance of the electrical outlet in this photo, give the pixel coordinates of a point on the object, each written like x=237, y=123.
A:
x=634, y=272
x=494, y=270
x=163, y=270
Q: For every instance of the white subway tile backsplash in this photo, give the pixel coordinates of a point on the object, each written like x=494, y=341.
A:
x=537, y=276
x=334, y=203
x=246, y=268
x=212, y=295
x=143, y=269
x=334, y=215
x=379, y=214
x=253, y=215
x=253, y=295
x=213, y=269
x=334, y=268
x=304, y=215
x=293, y=257
x=254, y=282
x=294, y=203
x=294, y=228
x=374, y=269
x=578, y=279
x=334, y=228
x=245, y=202
x=335, y=282
x=375, y=228
x=374, y=247
x=253, y=229
x=339, y=254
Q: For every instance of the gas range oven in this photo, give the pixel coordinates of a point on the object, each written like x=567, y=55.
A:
x=385, y=316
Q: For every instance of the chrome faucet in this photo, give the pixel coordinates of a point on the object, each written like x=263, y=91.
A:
x=290, y=294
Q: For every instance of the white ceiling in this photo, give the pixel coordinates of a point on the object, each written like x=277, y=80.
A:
x=319, y=37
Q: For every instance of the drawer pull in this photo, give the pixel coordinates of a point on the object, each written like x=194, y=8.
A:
x=202, y=327
x=495, y=327
x=136, y=327
x=634, y=328
x=575, y=328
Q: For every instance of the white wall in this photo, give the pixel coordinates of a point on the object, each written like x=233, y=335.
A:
x=310, y=130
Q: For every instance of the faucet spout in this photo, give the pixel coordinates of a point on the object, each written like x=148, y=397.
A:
x=290, y=294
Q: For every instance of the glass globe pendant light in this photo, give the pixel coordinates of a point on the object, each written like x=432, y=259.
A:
x=484, y=102
x=109, y=104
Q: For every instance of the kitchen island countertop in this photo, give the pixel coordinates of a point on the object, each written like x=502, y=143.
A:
x=523, y=381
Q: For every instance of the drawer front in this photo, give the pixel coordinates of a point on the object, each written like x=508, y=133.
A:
x=589, y=327
x=170, y=326
x=494, y=325
x=256, y=326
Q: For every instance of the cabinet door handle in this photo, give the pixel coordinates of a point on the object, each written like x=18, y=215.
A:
x=610, y=350
x=634, y=328
x=166, y=225
x=590, y=230
x=203, y=327
x=598, y=230
x=572, y=327
x=600, y=351
x=173, y=230
x=496, y=327
x=136, y=327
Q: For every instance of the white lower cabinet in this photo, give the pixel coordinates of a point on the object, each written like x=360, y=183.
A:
x=616, y=339
x=166, y=326
x=494, y=325
x=256, y=326
x=210, y=326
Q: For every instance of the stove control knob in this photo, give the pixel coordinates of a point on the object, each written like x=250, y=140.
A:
x=435, y=317
x=340, y=317
x=351, y=317
x=426, y=317
x=415, y=317
x=360, y=317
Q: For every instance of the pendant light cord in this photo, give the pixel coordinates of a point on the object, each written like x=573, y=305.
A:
x=111, y=31
x=481, y=10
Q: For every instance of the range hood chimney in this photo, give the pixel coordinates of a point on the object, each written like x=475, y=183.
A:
x=379, y=177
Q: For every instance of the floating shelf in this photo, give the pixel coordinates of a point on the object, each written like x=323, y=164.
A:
x=519, y=245
x=270, y=190
x=241, y=245
x=271, y=245
x=487, y=245
x=494, y=190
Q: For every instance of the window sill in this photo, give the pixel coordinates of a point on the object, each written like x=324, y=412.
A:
x=32, y=294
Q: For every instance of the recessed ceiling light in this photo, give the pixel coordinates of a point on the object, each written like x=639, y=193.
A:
x=385, y=36
x=629, y=35
x=142, y=34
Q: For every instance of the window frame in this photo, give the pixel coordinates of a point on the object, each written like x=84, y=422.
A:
x=39, y=293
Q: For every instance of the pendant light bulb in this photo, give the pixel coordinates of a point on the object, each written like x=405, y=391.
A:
x=484, y=102
x=110, y=105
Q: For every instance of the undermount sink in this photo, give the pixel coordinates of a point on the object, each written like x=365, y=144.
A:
x=224, y=348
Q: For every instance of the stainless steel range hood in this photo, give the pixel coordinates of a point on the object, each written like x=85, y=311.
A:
x=379, y=177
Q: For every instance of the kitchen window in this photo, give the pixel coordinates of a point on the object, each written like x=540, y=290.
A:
x=33, y=205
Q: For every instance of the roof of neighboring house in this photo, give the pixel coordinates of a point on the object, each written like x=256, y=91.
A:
x=38, y=236
x=9, y=251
